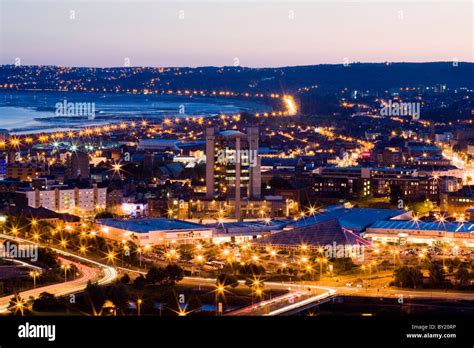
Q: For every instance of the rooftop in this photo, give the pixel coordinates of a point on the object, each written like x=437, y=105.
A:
x=425, y=226
x=42, y=213
x=232, y=133
x=247, y=226
x=150, y=224
x=355, y=219
x=424, y=148
x=319, y=234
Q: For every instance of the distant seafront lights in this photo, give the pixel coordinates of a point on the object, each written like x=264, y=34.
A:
x=290, y=105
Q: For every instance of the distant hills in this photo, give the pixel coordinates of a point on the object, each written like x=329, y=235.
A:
x=363, y=76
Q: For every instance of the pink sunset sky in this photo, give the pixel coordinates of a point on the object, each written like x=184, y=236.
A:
x=251, y=33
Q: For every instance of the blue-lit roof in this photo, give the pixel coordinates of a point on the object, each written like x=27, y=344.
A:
x=151, y=224
x=160, y=140
x=231, y=133
x=424, y=148
x=424, y=226
x=186, y=144
x=317, y=234
x=249, y=225
x=358, y=168
x=355, y=219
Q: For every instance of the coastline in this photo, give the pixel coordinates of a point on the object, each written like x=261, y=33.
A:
x=33, y=112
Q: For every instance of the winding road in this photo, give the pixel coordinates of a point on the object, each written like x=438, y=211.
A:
x=101, y=273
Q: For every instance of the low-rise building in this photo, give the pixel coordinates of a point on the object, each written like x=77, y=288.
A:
x=373, y=181
x=25, y=171
x=458, y=202
x=66, y=199
x=114, y=200
x=401, y=232
x=153, y=231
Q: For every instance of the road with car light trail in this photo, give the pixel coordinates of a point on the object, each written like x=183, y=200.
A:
x=101, y=273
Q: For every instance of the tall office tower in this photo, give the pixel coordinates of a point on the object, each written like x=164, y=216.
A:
x=232, y=165
x=78, y=165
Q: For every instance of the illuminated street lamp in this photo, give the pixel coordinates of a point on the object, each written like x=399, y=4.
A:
x=199, y=259
x=19, y=304
x=259, y=293
x=139, y=251
x=34, y=274
x=117, y=169
x=65, y=268
x=309, y=269
x=125, y=250
x=373, y=263
x=83, y=249
x=421, y=256
x=256, y=287
x=395, y=253
x=444, y=257
x=14, y=231
x=220, y=290
x=111, y=256
x=139, y=303
x=256, y=282
x=321, y=260
x=63, y=243
x=15, y=142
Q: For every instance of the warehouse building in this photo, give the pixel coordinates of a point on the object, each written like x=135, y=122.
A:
x=421, y=232
x=153, y=231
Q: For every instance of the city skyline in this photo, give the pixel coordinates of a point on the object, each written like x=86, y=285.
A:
x=254, y=34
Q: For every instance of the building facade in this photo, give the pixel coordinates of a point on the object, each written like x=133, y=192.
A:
x=24, y=171
x=233, y=165
x=78, y=166
x=65, y=199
